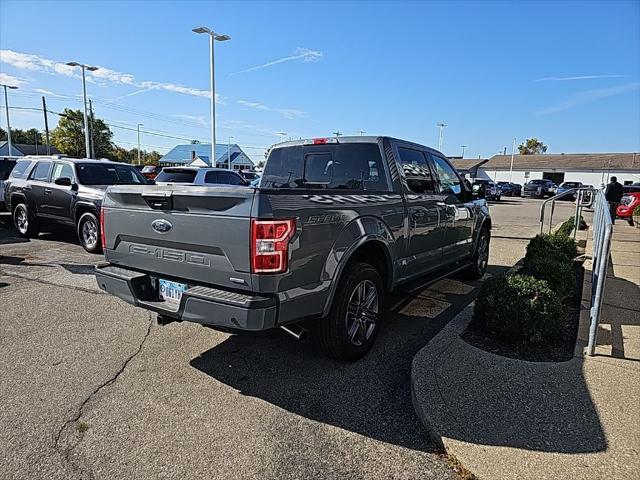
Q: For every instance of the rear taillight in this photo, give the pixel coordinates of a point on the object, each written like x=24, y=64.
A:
x=103, y=239
x=270, y=245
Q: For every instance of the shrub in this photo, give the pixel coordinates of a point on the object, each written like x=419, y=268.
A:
x=552, y=245
x=566, y=229
x=518, y=308
x=557, y=271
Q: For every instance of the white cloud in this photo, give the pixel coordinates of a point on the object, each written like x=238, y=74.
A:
x=256, y=105
x=195, y=118
x=579, y=77
x=103, y=76
x=291, y=113
x=589, y=96
x=10, y=80
x=303, y=54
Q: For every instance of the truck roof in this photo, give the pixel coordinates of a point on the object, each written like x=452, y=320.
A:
x=349, y=139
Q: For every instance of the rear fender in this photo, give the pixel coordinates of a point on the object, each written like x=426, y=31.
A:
x=354, y=235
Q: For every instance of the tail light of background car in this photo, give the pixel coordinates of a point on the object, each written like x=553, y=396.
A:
x=103, y=238
x=270, y=245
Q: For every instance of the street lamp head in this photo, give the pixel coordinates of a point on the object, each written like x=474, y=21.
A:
x=92, y=69
x=221, y=38
x=73, y=64
x=11, y=87
x=201, y=30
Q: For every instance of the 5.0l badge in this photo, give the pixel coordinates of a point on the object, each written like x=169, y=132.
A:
x=161, y=226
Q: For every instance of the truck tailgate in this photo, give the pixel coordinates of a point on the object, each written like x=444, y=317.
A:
x=184, y=233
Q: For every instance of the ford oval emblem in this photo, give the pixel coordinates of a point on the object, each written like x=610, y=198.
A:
x=161, y=226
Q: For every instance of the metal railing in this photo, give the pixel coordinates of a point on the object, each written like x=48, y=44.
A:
x=602, y=230
x=584, y=198
x=601, y=237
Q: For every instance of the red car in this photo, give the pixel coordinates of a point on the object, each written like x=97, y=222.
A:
x=629, y=202
x=151, y=171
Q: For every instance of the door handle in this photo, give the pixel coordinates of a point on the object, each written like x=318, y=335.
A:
x=26, y=187
x=47, y=190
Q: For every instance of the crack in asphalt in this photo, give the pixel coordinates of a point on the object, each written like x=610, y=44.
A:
x=65, y=451
x=46, y=282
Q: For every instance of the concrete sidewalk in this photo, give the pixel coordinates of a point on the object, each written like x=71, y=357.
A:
x=580, y=419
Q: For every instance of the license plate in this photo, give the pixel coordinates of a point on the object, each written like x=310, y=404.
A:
x=171, y=292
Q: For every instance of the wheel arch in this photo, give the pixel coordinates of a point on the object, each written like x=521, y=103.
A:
x=372, y=246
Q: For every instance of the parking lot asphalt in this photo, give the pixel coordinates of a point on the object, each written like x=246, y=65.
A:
x=92, y=388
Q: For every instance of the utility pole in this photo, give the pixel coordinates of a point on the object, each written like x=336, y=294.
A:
x=46, y=125
x=229, y=152
x=513, y=151
x=463, y=147
x=138, y=128
x=6, y=105
x=84, y=101
x=91, y=131
x=441, y=127
x=337, y=133
x=213, y=36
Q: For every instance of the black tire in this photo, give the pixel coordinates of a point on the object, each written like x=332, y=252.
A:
x=24, y=221
x=334, y=335
x=480, y=258
x=88, y=230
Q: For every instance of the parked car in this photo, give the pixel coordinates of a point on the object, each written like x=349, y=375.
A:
x=564, y=187
x=517, y=189
x=333, y=226
x=151, y=171
x=506, y=188
x=491, y=189
x=538, y=188
x=628, y=204
x=65, y=191
x=199, y=176
x=5, y=169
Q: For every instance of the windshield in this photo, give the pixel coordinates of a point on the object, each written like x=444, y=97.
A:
x=570, y=185
x=348, y=166
x=537, y=182
x=174, y=175
x=108, y=174
x=250, y=175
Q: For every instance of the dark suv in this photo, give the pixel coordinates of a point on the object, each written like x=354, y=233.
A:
x=540, y=187
x=66, y=191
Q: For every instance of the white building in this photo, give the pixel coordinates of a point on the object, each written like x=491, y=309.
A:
x=200, y=153
x=588, y=168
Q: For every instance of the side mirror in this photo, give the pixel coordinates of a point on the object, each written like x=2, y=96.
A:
x=478, y=191
x=63, y=181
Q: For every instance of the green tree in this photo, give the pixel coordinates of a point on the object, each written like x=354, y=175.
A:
x=26, y=137
x=532, y=146
x=68, y=136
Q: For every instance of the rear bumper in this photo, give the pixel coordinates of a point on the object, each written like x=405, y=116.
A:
x=204, y=305
x=624, y=211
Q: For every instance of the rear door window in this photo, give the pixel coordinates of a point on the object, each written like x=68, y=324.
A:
x=230, y=178
x=416, y=170
x=176, y=176
x=61, y=170
x=347, y=166
x=211, y=177
x=41, y=172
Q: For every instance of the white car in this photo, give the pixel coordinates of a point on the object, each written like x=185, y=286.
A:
x=199, y=176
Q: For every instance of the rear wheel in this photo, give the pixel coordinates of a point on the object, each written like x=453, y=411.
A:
x=354, y=321
x=480, y=258
x=24, y=221
x=89, y=233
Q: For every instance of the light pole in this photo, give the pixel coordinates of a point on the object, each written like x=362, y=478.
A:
x=513, y=151
x=361, y=132
x=138, y=127
x=463, y=147
x=229, y=152
x=6, y=106
x=84, y=102
x=212, y=82
x=441, y=127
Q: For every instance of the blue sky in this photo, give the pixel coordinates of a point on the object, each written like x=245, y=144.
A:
x=565, y=72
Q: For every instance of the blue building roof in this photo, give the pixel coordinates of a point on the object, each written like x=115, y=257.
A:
x=184, y=153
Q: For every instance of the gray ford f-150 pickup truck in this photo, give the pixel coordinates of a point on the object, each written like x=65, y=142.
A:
x=334, y=224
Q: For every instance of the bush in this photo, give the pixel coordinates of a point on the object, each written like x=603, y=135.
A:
x=552, y=245
x=566, y=229
x=518, y=308
x=557, y=271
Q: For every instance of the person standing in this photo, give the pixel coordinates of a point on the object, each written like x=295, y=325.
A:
x=613, y=195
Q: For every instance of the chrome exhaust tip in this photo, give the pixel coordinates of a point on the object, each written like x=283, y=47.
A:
x=297, y=332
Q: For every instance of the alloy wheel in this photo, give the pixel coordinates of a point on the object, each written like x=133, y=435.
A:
x=362, y=312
